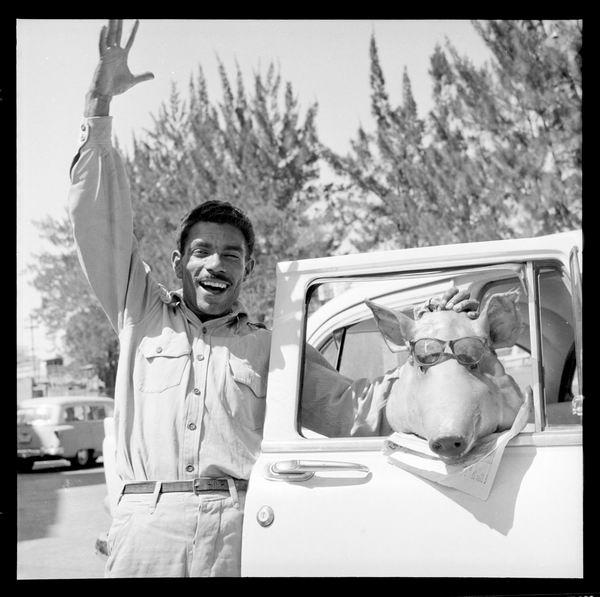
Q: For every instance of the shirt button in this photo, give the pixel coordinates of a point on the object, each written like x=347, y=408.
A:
x=84, y=134
x=204, y=330
x=200, y=357
x=196, y=391
x=191, y=426
x=159, y=349
x=189, y=468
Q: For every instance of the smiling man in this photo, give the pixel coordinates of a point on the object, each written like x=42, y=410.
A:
x=191, y=381
x=214, y=257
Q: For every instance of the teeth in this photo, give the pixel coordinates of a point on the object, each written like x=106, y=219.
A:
x=215, y=284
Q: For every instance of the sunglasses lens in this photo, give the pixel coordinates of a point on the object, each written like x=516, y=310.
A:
x=427, y=351
x=468, y=351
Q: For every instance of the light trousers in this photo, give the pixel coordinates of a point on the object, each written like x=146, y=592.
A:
x=176, y=535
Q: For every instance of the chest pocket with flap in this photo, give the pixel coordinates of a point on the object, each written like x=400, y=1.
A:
x=161, y=361
x=245, y=393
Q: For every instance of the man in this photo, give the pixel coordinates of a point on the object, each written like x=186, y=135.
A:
x=191, y=381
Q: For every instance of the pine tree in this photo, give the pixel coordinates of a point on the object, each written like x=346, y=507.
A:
x=498, y=156
x=520, y=121
x=253, y=150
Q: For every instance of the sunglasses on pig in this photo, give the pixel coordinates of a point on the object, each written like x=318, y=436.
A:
x=467, y=351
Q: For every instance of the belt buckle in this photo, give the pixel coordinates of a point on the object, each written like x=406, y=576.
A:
x=214, y=484
x=210, y=484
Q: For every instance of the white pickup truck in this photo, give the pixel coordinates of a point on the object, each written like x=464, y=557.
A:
x=321, y=506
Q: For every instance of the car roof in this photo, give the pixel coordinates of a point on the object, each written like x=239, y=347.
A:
x=61, y=400
x=469, y=253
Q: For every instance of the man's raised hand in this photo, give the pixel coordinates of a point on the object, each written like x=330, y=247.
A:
x=112, y=75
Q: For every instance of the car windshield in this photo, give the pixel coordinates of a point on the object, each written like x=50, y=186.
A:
x=34, y=415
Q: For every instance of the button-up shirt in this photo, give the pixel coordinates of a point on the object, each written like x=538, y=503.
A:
x=189, y=394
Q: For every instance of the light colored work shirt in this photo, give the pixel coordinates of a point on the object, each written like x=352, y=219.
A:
x=189, y=395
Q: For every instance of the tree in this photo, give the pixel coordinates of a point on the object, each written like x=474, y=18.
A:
x=69, y=307
x=389, y=168
x=498, y=156
x=250, y=149
x=520, y=118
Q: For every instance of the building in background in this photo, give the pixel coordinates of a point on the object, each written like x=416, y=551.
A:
x=51, y=377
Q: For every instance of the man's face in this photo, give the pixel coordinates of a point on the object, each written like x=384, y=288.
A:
x=213, y=266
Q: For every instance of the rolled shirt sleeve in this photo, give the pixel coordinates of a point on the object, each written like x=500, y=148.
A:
x=336, y=406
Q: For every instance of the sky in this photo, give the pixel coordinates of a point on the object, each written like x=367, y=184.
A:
x=327, y=61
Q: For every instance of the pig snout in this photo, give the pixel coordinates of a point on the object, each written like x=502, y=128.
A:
x=450, y=446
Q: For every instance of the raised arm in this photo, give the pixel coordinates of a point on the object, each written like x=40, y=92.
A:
x=99, y=201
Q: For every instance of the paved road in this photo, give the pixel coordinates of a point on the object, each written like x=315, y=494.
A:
x=60, y=515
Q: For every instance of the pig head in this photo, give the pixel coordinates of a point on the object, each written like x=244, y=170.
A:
x=449, y=404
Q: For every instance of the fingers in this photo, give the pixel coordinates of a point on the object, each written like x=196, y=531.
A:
x=111, y=35
x=431, y=304
x=454, y=299
x=111, y=38
x=132, y=35
x=102, y=43
x=143, y=77
x=458, y=298
x=118, y=32
x=453, y=296
x=448, y=295
x=466, y=305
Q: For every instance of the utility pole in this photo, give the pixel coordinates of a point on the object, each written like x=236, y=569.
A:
x=32, y=327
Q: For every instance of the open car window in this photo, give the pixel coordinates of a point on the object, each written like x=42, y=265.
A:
x=341, y=328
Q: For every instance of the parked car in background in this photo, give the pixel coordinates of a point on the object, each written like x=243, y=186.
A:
x=61, y=427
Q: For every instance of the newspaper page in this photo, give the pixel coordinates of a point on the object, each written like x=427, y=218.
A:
x=473, y=474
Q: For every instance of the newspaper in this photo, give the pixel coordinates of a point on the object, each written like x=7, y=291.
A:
x=473, y=474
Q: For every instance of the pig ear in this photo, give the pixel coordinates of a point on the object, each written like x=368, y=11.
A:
x=396, y=328
x=501, y=315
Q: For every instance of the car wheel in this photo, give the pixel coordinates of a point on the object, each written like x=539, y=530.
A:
x=24, y=465
x=82, y=459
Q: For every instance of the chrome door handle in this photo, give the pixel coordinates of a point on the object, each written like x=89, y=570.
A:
x=301, y=470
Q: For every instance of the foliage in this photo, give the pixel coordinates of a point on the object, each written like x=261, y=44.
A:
x=69, y=307
x=250, y=149
x=498, y=156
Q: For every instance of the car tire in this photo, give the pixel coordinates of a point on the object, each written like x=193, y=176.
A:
x=24, y=465
x=82, y=459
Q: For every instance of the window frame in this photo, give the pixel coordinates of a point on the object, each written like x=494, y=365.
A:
x=538, y=433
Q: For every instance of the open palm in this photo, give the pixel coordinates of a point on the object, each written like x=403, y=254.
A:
x=112, y=75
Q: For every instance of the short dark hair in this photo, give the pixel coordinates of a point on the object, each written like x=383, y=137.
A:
x=219, y=212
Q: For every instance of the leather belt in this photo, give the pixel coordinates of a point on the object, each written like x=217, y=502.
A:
x=193, y=485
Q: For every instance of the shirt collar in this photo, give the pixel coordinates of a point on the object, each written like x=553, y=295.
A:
x=175, y=297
